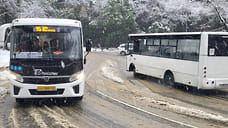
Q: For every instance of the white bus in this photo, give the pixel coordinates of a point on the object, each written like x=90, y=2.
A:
x=4, y=33
x=46, y=59
x=198, y=59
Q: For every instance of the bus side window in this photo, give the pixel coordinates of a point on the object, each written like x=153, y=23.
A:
x=189, y=49
x=136, y=46
x=179, y=55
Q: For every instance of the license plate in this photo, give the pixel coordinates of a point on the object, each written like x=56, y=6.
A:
x=46, y=88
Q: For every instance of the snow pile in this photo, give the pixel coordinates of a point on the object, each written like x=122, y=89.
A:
x=96, y=49
x=109, y=71
x=187, y=111
x=104, y=50
x=4, y=57
x=4, y=75
x=3, y=91
x=110, y=50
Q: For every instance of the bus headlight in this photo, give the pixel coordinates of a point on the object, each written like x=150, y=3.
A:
x=77, y=76
x=15, y=76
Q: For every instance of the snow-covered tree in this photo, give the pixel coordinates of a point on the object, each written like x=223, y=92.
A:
x=36, y=8
x=118, y=22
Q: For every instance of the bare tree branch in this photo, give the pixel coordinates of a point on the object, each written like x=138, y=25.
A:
x=223, y=20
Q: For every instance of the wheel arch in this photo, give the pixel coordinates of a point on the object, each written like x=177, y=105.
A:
x=124, y=53
x=131, y=67
x=168, y=72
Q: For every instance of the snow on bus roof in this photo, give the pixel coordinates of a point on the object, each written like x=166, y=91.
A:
x=46, y=21
x=179, y=33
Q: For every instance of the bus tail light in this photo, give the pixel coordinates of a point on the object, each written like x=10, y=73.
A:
x=205, y=72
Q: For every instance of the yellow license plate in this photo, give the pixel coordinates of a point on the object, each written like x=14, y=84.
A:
x=46, y=88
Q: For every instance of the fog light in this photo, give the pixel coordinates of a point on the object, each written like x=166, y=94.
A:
x=76, y=89
x=16, y=90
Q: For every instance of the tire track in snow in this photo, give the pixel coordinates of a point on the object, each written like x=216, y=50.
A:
x=37, y=118
x=12, y=119
x=57, y=119
x=86, y=121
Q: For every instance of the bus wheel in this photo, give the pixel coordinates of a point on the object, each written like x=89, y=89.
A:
x=122, y=53
x=135, y=74
x=169, y=79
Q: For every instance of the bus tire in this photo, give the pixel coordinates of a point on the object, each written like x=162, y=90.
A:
x=169, y=79
x=136, y=75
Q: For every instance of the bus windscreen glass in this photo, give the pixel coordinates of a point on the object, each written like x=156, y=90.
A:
x=217, y=45
x=46, y=42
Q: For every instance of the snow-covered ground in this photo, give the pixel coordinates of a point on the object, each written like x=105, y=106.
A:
x=110, y=71
x=4, y=58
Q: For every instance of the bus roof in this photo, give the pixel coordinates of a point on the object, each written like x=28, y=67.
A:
x=179, y=33
x=46, y=21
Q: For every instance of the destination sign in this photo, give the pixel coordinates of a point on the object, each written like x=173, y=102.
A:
x=44, y=29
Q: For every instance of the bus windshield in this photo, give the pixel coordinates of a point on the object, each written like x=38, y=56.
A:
x=31, y=42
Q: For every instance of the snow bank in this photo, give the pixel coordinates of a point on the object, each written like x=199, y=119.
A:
x=96, y=50
x=4, y=75
x=104, y=50
x=109, y=71
x=4, y=58
x=3, y=91
x=187, y=111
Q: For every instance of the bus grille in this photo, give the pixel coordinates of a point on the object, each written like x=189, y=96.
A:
x=45, y=81
x=35, y=92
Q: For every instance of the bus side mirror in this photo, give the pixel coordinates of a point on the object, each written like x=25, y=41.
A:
x=88, y=45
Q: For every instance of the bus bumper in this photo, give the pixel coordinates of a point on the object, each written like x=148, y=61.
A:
x=23, y=90
x=214, y=83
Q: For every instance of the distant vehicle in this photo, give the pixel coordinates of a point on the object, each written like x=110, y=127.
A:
x=123, y=49
x=46, y=59
x=195, y=59
x=4, y=35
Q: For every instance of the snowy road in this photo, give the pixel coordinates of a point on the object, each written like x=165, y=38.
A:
x=115, y=99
